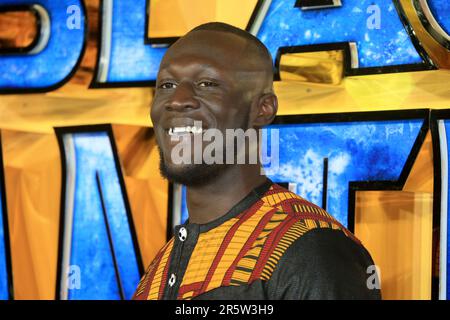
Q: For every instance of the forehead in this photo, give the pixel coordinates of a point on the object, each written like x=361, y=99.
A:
x=209, y=49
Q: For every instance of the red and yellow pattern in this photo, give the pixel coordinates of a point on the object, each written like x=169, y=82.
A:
x=245, y=248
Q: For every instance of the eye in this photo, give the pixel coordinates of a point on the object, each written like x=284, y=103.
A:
x=167, y=85
x=207, y=83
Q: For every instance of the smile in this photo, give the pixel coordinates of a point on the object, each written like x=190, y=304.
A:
x=184, y=130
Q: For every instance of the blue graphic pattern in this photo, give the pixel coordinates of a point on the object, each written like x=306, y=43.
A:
x=55, y=62
x=3, y=272
x=386, y=46
x=441, y=12
x=184, y=210
x=131, y=59
x=90, y=246
x=360, y=151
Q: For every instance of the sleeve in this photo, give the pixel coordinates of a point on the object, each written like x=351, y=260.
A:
x=323, y=264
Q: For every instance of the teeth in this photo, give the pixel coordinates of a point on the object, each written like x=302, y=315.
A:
x=187, y=129
x=196, y=130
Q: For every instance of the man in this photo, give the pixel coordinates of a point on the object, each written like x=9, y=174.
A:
x=246, y=238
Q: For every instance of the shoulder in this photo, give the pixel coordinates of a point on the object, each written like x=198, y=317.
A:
x=324, y=264
x=297, y=218
x=310, y=254
x=306, y=232
x=327, y=250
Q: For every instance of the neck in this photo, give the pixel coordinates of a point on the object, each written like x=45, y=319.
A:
x=211, y=201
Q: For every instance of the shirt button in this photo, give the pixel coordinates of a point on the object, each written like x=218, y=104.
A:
x=172, y=280
x=182, y=234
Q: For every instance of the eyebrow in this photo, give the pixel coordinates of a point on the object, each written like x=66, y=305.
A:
x=166, y=70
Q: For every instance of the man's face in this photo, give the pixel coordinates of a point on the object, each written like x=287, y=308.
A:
x=201, y=78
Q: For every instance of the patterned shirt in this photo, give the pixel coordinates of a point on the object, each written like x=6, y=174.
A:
x=273, y=244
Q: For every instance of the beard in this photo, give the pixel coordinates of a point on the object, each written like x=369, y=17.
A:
x=192, y=174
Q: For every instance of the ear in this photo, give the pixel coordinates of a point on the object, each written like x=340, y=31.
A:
x=266, y=110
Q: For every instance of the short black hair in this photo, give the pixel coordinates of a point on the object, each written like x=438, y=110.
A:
x=228, y=28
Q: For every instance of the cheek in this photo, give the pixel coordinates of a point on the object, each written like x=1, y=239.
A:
x=239, y=106
x=236, y=117
x=155, y=112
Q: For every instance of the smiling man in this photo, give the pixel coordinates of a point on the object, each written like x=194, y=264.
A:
x=246, y=237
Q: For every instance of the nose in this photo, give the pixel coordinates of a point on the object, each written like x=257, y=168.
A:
x=182, y=99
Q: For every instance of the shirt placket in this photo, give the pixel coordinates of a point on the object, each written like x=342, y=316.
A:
x=185, y=239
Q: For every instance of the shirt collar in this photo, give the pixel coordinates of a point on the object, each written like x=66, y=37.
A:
x=253, y=196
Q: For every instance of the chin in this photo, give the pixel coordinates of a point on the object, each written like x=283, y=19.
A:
x=190, y=175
